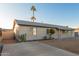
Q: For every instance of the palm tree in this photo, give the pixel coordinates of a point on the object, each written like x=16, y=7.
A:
x=33, y=9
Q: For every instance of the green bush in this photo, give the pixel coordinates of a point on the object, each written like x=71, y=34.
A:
x=23, y=38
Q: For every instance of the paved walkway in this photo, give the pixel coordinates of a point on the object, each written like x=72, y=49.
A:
x=33, y=49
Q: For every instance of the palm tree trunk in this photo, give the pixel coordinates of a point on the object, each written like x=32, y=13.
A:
x=33, y=12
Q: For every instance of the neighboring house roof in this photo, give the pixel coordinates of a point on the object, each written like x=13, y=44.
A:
x=28, y=23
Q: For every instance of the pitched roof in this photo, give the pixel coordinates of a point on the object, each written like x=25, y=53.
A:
x=28, y=23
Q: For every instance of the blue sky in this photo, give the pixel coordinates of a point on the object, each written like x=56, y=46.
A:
x=58, y=14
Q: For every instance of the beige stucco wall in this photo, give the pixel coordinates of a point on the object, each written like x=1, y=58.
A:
x=60, y=35
x=19, y=30
x=41, y=32
x=16, y=28
x=67, y=34
x=25, y=30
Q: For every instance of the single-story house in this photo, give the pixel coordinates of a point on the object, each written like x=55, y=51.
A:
x=35, y=31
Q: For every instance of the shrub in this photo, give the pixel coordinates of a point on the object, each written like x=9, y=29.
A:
x=23, y=38
x=50, y=32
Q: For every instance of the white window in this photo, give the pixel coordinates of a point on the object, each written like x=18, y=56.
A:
x=34, y=30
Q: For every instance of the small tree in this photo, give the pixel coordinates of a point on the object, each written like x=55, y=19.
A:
x=50, y=32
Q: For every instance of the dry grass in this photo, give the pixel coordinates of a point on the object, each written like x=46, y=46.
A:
x=70, y=45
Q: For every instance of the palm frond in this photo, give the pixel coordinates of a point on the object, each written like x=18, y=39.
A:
x=33, y=8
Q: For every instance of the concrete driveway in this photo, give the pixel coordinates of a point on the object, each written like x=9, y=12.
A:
x=33, y=49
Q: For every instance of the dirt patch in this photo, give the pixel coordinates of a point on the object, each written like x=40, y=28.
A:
x=70, y=45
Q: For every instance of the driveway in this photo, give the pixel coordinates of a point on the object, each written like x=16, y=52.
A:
x=33, y=49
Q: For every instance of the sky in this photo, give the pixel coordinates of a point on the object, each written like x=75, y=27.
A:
x=52, y=13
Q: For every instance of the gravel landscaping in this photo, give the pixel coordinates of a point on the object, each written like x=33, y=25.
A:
x=69, y=45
